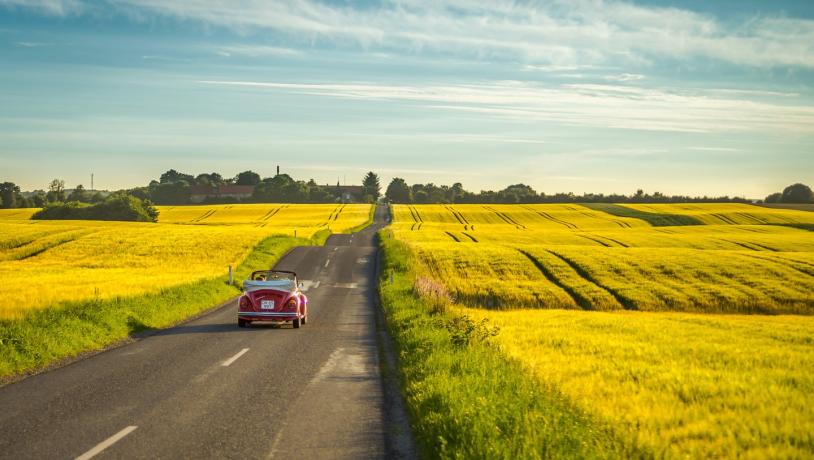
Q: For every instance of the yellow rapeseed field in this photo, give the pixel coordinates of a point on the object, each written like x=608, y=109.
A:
x=730, y=213
x=43, y=263
x=690, y=385
x=658, y=359
x=569, y=256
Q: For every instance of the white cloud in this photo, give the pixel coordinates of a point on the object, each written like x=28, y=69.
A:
x=49, y=7
x=624, y=77
x=33, y=44
x=595, y=105
x=552, y=35
x=256, y=51
x=715, y=149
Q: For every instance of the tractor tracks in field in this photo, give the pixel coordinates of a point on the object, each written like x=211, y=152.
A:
x=40, y=245
x=203, y=216
x=599, y=239
x=267, y=216
x=459, y=240
x=461, y=219
x=583, y=301
x=578, y=299
x=506, y=218
x=551, y=218
x=417, y=220
x=786, y=263
x=751, y=246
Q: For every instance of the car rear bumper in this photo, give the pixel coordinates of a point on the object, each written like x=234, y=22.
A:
x=267, y=316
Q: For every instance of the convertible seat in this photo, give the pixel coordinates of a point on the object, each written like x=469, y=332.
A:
x=280, y=285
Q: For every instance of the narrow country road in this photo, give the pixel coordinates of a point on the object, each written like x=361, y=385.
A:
x=207, y=389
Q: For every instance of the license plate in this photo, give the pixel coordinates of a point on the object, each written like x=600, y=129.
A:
x=267, y=304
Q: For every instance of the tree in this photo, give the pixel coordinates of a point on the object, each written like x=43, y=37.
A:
x=39, y=199
x=214, y=179
x=79, y=194
x=774, y=198
x=421, y=197
x=398, y=191
x=171, y=192
x=248, y=178
x=174, y=176
x=9, y=191
x=56, y=191
x=797, y=193
x=518, y=193
x=455, y=192
x=281, y=188
x=371, y=186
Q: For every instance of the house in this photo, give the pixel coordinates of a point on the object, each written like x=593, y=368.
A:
x=200, y=193
x=349, y=193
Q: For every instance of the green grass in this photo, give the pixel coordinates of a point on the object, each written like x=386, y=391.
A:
x=467, y=400
x=48, y=335
x=656, y=220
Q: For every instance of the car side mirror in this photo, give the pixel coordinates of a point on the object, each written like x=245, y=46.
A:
x=301, y=285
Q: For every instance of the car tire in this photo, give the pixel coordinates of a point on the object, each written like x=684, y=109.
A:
x=242, y=323
x=296, y=323
x=304, y=320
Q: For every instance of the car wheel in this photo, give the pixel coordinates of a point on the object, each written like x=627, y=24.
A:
x=304, y=319
x=296, y=323
x=241, y=323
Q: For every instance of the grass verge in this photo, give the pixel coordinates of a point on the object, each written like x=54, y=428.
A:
x=465, y=398
x=656, y=220
x=46, y=336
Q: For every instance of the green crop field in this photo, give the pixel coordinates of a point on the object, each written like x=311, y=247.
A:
x=681, y=330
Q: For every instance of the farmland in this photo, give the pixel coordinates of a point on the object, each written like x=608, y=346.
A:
x=74, y=286
x=569, y=256
x=655, y=322
x=115, y=259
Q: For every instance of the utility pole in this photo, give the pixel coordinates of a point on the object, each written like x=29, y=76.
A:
x=91, y=182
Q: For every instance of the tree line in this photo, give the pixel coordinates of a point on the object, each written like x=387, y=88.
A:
x=398, y=191
x=175, y=188
x=12, y=197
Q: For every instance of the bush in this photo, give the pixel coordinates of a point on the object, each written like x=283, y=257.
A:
x=119, y=206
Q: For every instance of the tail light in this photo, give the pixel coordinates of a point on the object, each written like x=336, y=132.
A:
x=291, y=304
x=244, y=302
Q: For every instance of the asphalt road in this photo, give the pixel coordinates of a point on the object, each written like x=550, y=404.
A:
x=208, y=389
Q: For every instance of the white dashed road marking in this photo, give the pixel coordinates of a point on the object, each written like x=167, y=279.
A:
x=106, y=443
x=235, y=357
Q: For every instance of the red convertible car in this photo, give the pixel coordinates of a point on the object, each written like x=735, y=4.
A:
x=272, y=295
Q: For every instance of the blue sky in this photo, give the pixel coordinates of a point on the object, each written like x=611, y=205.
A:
x=692, y=97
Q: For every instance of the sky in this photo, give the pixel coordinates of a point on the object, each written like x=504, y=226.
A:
x=601, y=96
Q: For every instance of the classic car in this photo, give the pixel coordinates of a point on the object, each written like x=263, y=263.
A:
x=272, y=295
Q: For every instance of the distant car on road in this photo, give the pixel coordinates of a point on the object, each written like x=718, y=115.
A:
x=272, y=295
